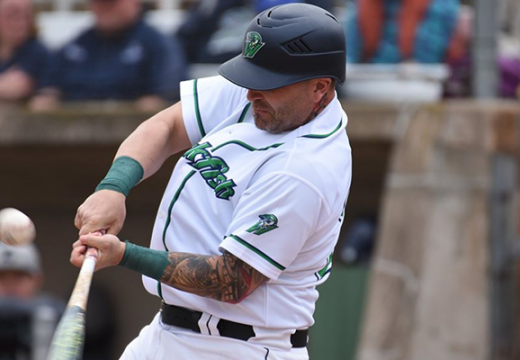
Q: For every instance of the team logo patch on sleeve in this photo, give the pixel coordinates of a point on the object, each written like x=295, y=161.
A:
x=253, y=44
x=266, y=223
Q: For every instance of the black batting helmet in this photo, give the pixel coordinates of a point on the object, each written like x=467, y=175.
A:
x=287, y=44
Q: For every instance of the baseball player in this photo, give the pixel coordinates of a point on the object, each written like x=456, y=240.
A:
x=249, y=220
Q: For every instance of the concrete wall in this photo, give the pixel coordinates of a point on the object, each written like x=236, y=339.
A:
x=432, y=279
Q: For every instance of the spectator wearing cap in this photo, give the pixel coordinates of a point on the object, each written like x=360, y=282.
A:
x=119, y=58
x=20, y=272
x=22, y=55
x=27, y=317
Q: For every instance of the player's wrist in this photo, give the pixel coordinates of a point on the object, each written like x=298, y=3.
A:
x=145, y=261
x=123, y=175
x=121, y=252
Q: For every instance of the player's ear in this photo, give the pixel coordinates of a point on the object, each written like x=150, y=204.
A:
x=321, y=87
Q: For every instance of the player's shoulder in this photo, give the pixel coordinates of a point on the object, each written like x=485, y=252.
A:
x=322, y=160
x=218, y=82
x=310, y=158
x=328, y=178
x=215, y=87
x=321, y=164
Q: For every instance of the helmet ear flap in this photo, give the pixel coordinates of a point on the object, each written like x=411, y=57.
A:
x=288, y=44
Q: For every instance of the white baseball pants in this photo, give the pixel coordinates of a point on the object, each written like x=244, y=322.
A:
x=158, y=341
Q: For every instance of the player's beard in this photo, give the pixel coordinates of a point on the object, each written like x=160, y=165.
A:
x=286, y=118
x=264, y=117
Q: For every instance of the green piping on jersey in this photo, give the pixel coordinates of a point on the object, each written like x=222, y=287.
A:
x=252, y=148
x=159, y=290
x=174, y=200
x=258, y=251
x=168, y=221
x=244, y=112
x=326, y=269
x=197, y=110
x=322, y=136
x=245, y=146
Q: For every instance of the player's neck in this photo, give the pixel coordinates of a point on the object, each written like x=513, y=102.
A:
x=322, y=104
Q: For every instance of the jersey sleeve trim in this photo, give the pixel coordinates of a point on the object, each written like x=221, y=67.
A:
x=258, y=252
x=197, y=109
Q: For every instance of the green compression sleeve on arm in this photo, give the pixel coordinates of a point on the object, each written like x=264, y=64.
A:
x=123, y=175
x=145, y=261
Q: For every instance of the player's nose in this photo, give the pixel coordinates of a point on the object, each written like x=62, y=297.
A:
x=254, y=95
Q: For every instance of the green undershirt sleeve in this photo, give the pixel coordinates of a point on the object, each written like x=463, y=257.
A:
x=123, y=175
x=145, y=261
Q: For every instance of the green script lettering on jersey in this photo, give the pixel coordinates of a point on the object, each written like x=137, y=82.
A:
x=212, y=169
x=199, y=149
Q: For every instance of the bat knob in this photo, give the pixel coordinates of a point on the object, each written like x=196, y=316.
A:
x=92, y=253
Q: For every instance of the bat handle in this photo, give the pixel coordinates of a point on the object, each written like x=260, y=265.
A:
x=81, y=289
x=80, y=294
x=92, y=253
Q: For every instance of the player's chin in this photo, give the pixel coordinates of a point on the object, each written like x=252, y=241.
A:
x=267, y=124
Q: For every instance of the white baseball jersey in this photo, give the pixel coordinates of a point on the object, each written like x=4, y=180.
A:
x=276, y=201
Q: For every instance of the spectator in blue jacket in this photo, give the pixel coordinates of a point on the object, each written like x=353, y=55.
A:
x=395, y=31
x=119, y=58
x=22, y=56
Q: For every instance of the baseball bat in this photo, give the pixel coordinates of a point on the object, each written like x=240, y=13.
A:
x=67, y=342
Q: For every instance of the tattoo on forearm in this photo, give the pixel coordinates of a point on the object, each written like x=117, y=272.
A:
x=225, y=278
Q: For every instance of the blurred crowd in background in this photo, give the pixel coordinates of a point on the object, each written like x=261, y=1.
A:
x=123, y=55
x=29, y=316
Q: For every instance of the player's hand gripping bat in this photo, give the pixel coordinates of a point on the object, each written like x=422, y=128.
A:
x=67, y=343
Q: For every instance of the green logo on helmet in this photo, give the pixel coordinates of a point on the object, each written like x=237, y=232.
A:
x=253, y=44
x=267, y=223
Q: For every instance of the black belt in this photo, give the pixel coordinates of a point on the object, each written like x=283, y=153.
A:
x=189, y=319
